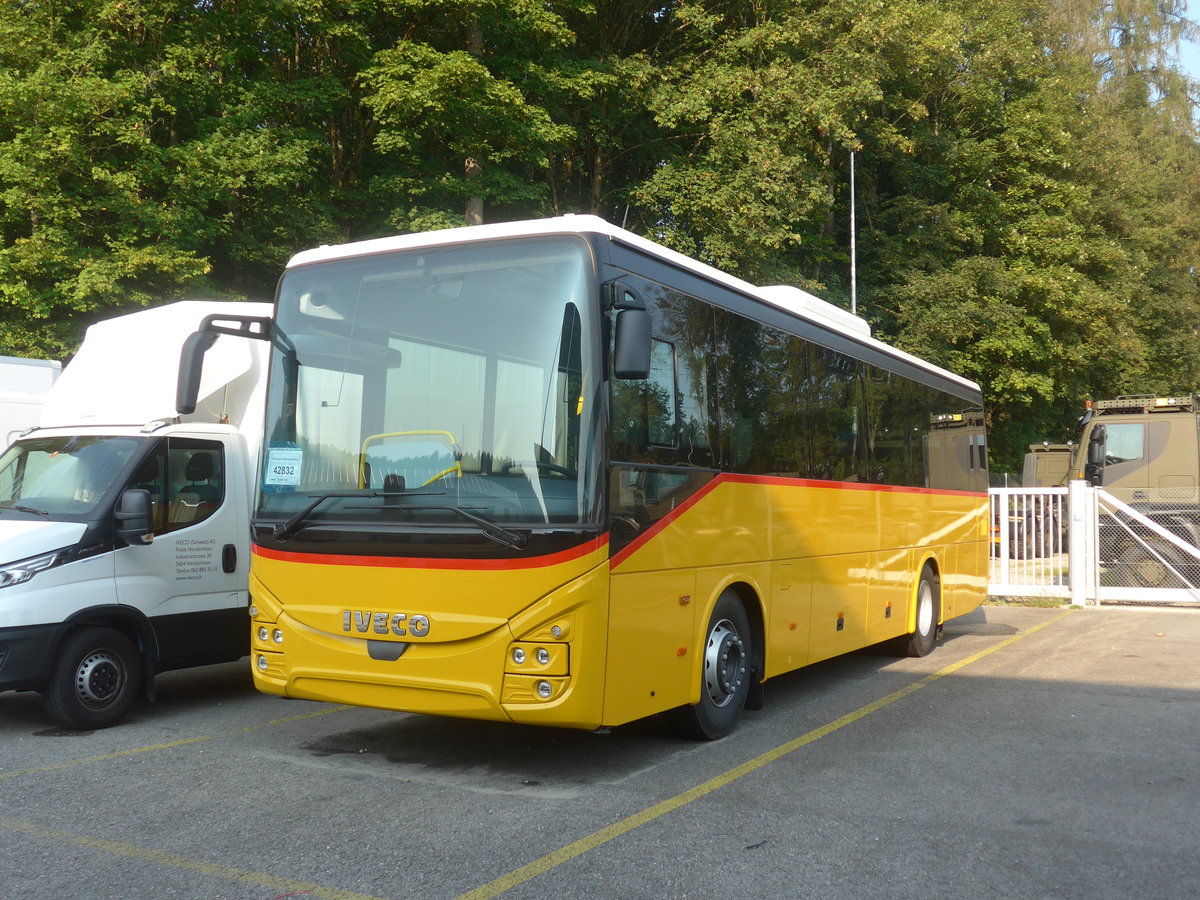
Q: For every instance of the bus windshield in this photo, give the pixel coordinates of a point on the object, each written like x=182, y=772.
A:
x=439, y=386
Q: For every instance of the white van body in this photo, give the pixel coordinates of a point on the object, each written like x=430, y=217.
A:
x=88, y=613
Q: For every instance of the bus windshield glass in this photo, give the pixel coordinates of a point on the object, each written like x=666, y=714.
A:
x=444, y=386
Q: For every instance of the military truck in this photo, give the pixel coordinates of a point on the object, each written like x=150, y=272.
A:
x=1047, y=465
x=1145, y=451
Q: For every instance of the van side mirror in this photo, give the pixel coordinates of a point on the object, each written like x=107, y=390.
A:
x=135, y=517
x=1096, y=453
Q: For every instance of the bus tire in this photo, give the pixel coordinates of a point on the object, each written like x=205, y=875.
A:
x=95, y=679
x=923, y=638
x=726, y=674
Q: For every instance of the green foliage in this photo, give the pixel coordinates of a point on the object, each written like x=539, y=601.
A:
x=1027, y=172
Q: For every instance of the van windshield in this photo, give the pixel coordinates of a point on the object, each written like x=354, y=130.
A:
x=62, y=476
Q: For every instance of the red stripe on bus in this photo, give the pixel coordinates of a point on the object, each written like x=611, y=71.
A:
x=410, y=562
x=732, y=478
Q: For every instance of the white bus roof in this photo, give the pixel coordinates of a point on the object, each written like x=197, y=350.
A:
x=795, y=301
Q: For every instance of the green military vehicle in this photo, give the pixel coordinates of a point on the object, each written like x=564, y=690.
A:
x=1047, y=465
x=1145, y=451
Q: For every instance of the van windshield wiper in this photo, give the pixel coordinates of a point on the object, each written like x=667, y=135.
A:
x=498, y=533
x=25, y=509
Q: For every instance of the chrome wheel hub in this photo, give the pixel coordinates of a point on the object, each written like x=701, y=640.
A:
x=724, y=663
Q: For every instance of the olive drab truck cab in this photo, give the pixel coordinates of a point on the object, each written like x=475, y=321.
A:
x=124, y=525
x=1047, y=465
x=1141, y=449
x=1145, y=451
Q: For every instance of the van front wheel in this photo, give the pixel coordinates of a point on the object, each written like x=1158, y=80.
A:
x=95, y=680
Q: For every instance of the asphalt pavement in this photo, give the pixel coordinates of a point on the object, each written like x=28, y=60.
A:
x=1038, y=753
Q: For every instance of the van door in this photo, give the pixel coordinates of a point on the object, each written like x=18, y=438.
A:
x=192, y=580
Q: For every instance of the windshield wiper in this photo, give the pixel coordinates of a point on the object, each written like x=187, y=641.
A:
x=285, y=530
x=25, y=509
x=498, y=533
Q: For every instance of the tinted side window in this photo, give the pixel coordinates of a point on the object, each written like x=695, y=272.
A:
x=666, y=419
x=833, y=398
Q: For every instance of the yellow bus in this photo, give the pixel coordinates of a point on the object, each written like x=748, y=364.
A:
x=550, y=472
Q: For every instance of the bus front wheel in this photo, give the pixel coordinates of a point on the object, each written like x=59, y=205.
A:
x=726, y=674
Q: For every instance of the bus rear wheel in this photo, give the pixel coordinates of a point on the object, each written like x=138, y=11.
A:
x=923, y=638
x=726, y=674
x=95, y=680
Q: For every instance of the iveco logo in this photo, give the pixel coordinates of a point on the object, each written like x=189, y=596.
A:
x=400, y=624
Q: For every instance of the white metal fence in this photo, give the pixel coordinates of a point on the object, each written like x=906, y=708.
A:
x=1083, y=544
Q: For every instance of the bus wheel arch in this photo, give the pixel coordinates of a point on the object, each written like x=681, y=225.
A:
x=730, y=664
x=926, y=618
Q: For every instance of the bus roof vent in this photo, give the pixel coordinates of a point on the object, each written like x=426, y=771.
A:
x=809, y=306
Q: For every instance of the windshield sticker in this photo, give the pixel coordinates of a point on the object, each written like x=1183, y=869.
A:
x=283, y=466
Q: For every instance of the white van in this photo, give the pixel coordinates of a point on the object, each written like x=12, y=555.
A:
x=124, y=527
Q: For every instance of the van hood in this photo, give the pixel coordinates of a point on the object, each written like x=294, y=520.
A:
x=23, y=538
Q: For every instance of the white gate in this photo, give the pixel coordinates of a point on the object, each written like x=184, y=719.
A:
x=1083, y=544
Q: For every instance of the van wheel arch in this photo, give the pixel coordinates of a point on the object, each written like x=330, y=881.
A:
x=133, y=625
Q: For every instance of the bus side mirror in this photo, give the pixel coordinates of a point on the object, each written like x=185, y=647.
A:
x=1096, y=452
x=191, y=363
x=191, y=356
x=135, y=517
x=631, y=348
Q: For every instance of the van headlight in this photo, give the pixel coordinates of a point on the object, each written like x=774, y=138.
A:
x=23, y=569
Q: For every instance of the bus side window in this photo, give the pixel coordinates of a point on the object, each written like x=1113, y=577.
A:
x=645, y=412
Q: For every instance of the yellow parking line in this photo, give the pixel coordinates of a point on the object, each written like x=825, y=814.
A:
x=94, y=759
x=199, y=866
x=167, y=746
x=637, y=820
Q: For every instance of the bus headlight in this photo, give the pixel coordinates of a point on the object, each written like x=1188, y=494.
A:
x=262, y=633
x=543, y=656
x=277, y=636
x=518, y=655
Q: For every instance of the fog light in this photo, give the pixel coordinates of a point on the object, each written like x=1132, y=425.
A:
x=262, y=663
x=543, y=655
x=518, y=655
x=277, y=636
x=544, y=689
x=262, y=633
